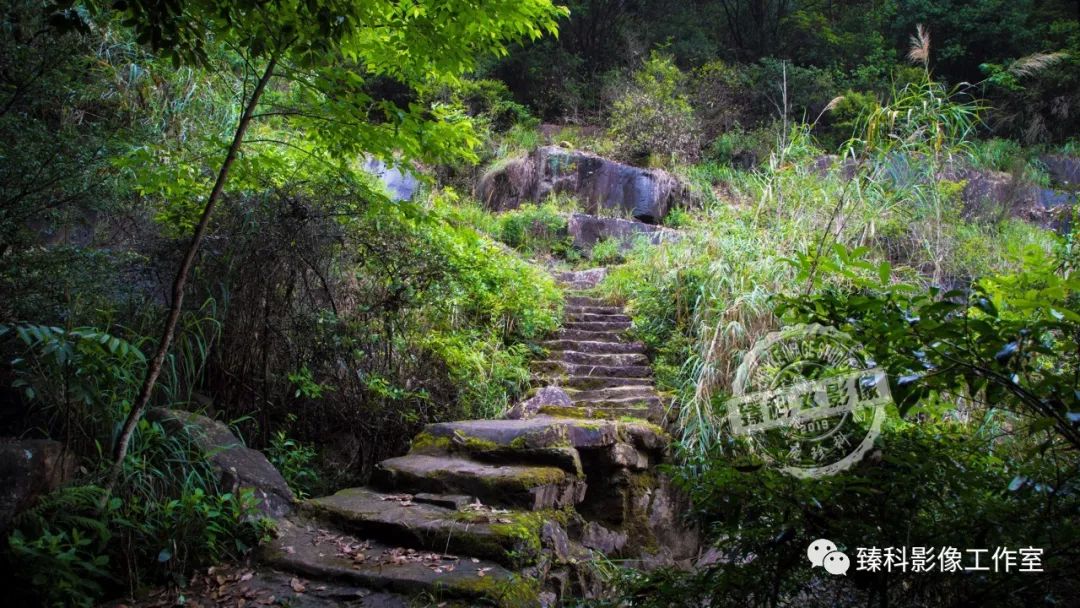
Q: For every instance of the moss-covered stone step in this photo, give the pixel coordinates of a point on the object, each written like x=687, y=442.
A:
x=520, y=486
x=605, y=326
x=539, y=432
x=639, y=391
x=649, y=402
x=592, y=346
x=602, y=359
x=318, y=554
x=602, y=310
x=512, y=539
x=590, y=315
x=585, y=335
x=580, y=300
x=563, y=368
x=589, y=383
x=588, y=411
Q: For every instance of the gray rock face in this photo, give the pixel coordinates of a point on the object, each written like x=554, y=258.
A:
x=599, y=183
x=587, y=230
x=239, y=467
x=401, y=184
x=1065, y=170
x=595, y=536
x=30, y=468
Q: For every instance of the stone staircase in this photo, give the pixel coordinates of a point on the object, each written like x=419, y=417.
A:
x=509, y=512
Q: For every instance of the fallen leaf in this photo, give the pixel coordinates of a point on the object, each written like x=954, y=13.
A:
x=246, y=577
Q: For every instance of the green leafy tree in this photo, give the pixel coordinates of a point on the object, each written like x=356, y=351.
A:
x=328, y=80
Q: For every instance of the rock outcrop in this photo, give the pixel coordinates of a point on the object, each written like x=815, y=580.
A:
x=995, y=194
x=1064, y=170
x=30, y=468
x=238, y=467
x=512, y=512
x=600, y=184
x=585, y=231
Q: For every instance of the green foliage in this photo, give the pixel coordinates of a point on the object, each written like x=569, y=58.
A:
x=740, y=148
x=653, y=118
x=296, y=462
x=60, y=547
x=537, y=230
x=606, y=252
x=908, y=493
x=1006, y=344
x=844, y=117
x=166, y=514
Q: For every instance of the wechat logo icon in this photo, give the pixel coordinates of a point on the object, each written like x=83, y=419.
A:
x=822, y=552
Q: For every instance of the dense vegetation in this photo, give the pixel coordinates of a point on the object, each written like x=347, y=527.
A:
x=186, y=222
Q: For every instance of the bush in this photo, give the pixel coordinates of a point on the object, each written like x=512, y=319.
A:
x=652, y=120
x=166, y=514
x=842, y=122
x=720, y=94
x=607, y=251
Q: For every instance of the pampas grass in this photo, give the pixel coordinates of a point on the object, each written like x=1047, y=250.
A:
x=920, y=46
x=1036, y=62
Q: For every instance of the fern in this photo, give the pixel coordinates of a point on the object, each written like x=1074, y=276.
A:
x=64, y=508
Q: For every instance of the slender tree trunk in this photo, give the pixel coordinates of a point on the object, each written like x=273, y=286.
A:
x=153, y=370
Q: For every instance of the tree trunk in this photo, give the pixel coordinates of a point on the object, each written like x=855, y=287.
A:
x=153, y=370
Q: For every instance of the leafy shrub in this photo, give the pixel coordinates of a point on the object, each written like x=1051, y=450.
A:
x=653, y=117
x=166, y=513
x=606, y=251
x=296, y=462
x=537, y=231
x=720, y=94
x=740, y=148
x=906, y=494
x=842, y=121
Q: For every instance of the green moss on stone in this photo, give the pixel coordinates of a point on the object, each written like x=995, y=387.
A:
x=426, y=443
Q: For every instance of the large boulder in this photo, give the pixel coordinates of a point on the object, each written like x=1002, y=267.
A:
x=30, y=468
x=598, y=183
x=587, y=230
x=238, y=466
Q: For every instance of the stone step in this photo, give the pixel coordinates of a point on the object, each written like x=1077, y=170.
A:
x=473, y=531
x=520, y=486
x=594, y=347
x=585, y=335
x=604, y=310
x=532, y=433
x=582, y=279
x=617, y=402
x=613, y=317
x=642, y=391
x=605, y=326
x=562, y=368
x=590, y=412
x=601, y=359
x=580, y=300
x=319, y=554
x=589, y=383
